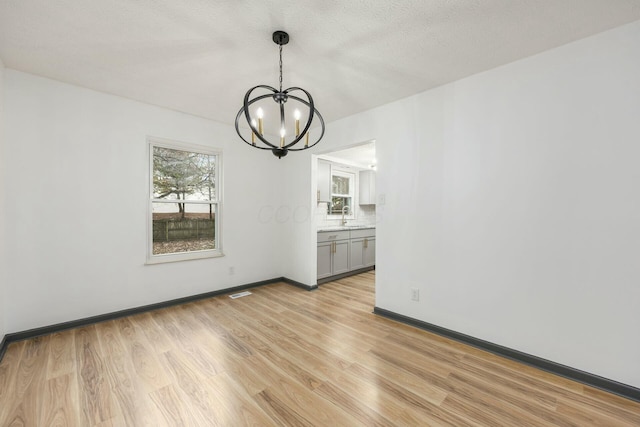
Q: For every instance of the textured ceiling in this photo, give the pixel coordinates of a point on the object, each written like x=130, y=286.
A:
x=200, y=56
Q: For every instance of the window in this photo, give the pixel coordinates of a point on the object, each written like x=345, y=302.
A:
x=342, y=189
x=184, y=202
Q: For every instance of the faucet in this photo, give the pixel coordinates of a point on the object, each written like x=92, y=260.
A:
x=344, y=221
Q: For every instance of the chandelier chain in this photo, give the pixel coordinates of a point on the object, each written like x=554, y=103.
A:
x=280, y=68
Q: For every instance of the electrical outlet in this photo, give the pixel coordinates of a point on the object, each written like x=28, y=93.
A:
x=415, y=294
x=382, y=199
x=232, y=271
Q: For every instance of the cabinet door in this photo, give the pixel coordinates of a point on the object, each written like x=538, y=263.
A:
x=367, y=188
x=341, y=257
x=364, y=188
x=325, y=255
x=369, y=252
x=372, y=187
x=357, y=254
x=324, y=181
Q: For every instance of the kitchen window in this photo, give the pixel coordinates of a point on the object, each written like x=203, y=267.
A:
x=342, y=191
x=184, y=202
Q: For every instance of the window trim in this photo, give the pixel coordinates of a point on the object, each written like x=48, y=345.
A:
x=192, y=255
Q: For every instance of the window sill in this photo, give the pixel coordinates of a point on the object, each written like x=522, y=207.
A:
x=187, y=256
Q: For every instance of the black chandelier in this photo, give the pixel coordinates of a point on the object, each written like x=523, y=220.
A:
x=309, y=112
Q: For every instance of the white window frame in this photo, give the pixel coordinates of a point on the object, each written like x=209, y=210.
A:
x=352, y=191
x=217, y=202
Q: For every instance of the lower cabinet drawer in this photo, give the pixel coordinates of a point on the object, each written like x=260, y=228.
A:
x=363, y=232
x=330, y=236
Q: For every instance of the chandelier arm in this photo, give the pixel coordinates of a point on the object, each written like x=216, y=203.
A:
x=312, y=110
x=317, y=140
x=246, y=102
x=242, y=137
x=245, y=108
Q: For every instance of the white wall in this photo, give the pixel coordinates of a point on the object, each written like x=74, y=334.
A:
x=3, y=283
x=76, y=181
x=512, y=204
x=298, y=252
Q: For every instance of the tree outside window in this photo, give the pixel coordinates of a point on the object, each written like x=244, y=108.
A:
x=184, y=202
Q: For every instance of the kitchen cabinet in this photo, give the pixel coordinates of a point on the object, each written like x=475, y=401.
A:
x=369, y=252
x=367, y=188
x=362, y=249
x=343, y=251
x=325, y=264
x=324, y=181
x=363, y=252
x=333, y=253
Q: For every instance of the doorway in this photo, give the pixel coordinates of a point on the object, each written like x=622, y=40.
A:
x=345, y=212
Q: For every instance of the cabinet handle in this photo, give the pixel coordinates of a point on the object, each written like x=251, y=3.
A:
x=366, y=243
x=335, y=247
x=318, y=197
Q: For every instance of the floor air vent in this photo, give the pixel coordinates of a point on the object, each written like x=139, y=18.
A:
x=241, y=294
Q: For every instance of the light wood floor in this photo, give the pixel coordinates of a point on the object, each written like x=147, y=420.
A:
x=283, y=356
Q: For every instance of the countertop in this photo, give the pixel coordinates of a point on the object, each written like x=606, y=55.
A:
x=345, y=228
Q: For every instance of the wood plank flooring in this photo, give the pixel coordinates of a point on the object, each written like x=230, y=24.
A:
x=283, y=356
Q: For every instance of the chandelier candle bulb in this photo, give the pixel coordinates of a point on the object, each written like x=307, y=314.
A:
x=260, y=115
x=296, y=115
x=282, y=134
x=306, y=139
x=253, y=134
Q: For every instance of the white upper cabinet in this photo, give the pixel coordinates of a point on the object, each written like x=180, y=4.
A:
x=367, y=187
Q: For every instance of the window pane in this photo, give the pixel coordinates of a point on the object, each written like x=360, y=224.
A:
x=337, y=203
x=340, y=185
x=183, y=175
x=183, y=227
